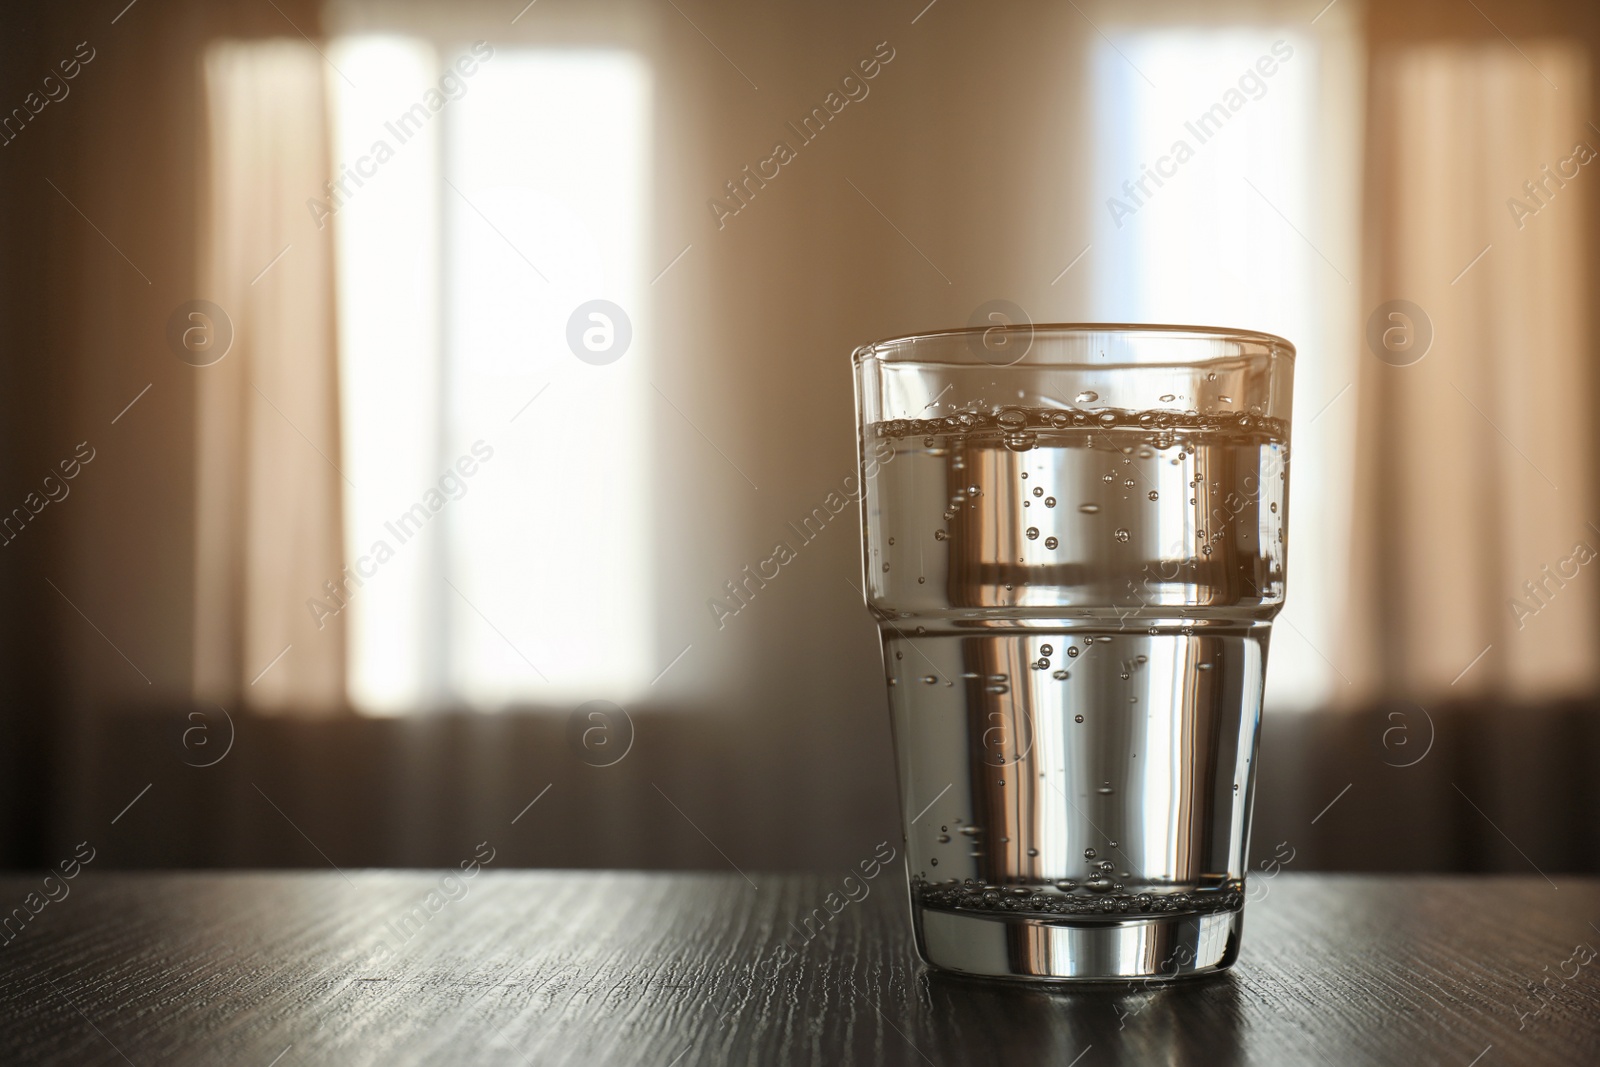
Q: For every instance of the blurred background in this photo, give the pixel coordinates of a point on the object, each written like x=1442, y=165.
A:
x=394, y=389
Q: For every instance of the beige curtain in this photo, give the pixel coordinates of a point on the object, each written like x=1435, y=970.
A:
x=268, y=486
x=1475, y=463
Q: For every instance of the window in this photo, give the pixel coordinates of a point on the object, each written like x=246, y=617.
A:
x=1229, y=201
x=495, y=482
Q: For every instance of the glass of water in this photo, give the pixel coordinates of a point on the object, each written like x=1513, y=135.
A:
x=1075, y=545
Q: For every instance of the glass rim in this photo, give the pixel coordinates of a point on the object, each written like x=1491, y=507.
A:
x=896, y=345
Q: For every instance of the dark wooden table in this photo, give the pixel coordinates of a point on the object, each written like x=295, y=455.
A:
x=286, y=969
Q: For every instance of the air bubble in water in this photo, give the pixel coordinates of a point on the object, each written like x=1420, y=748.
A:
x=1121, y=534
x=1049, y=501
x=1033, y=533
x=1060, y=676
x=1032, y=852
x=931, y=679
x=1090, y=509
x=1020, y=442
x=1051, y=542
x=939, y=535
x=1077, y=718
x=1154, y=494
x=1046, y=649
x=1127, y=483
x=1088, y=396
x=1038, y=490
x=1072, y=651
x=1167, y=398
x=1088, y=853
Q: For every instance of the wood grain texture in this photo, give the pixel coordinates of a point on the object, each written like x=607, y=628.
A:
x=555, y=968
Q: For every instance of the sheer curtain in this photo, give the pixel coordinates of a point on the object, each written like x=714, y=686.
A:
x=268, y=489
x=1475, y=461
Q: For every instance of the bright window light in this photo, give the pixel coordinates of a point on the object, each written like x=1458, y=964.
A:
x=1222, y=231
x=550, y=155
x=507, y=474
x=387, y=279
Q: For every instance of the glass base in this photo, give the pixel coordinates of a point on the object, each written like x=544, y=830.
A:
x=1029, y=948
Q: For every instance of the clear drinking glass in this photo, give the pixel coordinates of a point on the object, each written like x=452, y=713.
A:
x=1074, y=547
